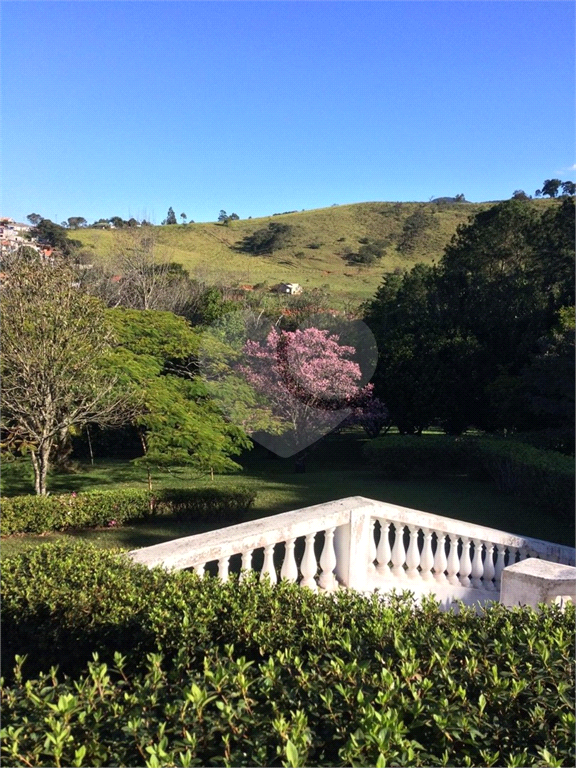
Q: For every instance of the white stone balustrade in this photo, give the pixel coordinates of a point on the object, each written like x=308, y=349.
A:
x=368, y=545
x=246, y=538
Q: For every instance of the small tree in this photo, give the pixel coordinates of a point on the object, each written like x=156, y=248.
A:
x=34, y=219
x=183, y=217
x=307, y=380
x=568, y=188
x=222, y=216
x=54, y=338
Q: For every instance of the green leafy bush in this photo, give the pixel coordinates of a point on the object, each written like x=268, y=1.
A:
x=543, y=477
x=250, y=674
x=38, y=514
x=398, y=457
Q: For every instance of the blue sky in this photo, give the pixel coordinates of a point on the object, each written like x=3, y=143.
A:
x=127, y=108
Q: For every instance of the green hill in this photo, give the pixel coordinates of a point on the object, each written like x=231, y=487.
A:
x=315, y=251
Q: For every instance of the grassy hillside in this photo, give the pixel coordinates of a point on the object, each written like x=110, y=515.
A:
x=316, y=252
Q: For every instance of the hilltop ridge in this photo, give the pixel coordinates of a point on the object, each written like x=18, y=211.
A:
x=316, y=248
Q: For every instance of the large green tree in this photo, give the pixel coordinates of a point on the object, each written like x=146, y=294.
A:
x=454, y=340
x=178, y=424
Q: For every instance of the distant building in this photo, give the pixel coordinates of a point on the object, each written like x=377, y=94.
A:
x=292, y=288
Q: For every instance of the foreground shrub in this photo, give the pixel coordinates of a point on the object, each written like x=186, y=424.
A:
x=249, y=674
x=39, y=514
x=397, y=457
x=545, y=478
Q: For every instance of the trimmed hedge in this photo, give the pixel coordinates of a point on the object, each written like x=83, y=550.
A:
x=249, y=674
x=40, y=514
x=205, y=503
x=541, y=477
x=398, y=457
x=545, y=478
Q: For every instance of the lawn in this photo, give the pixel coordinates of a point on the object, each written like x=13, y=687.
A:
x=335, y=470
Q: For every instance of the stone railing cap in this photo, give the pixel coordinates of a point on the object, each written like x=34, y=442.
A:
x=533, y=566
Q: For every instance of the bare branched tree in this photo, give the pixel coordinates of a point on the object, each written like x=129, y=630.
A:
x=146, y=278
x=55, y=342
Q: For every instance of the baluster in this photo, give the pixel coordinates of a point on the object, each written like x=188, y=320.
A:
x=199, y=569
x=500, y=562
x=371, y=548
x=268, y=567
x=328, y=561
x=512, y=555
x=427, y=556
x=524, y=553
x=383, y=553
x=398, y=552
x=453, y=560
x=308, y=566
x=413, y=555
x=246, y=563
x=465, y=562
x=440, y=561
x=289, y=569
x=489, y=569
x=223, y=565
x=477, y=566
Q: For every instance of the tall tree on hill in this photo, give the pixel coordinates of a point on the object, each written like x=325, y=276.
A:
x=75, y=222
x=170, y=217
x=568, y=188
x=34, y=219
x=551, y=187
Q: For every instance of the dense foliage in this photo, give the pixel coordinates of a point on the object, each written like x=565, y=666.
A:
x=178, y=424
x=250, y=674
x=40, y=514
x=485, y=337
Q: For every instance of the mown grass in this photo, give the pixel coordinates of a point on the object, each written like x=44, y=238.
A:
x=335, y=470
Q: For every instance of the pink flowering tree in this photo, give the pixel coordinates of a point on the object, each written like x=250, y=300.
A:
x=308, y=380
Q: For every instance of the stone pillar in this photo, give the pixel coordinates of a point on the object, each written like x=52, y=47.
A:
x=352, y=546
x=533, y=581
